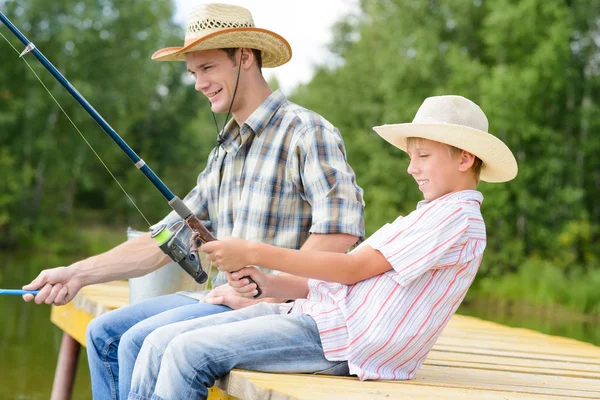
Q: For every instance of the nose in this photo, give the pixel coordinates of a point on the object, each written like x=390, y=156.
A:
x=201, y=83
x=412, y=167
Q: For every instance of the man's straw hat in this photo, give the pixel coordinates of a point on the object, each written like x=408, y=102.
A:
x=459, y=122
x=220, y=26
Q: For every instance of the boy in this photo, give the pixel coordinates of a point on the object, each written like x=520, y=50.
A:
x=375, y=312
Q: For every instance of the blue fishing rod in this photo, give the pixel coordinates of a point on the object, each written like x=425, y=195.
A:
x=186, y=256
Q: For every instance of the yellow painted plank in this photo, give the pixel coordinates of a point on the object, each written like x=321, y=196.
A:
x=214, y=393
x=71, y=320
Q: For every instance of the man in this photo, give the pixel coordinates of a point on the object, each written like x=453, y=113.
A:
x=278, y=175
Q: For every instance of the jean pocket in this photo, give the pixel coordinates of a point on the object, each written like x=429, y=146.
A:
x=339, y=369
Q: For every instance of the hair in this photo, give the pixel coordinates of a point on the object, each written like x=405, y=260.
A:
x=453, y=152
x=257, y=56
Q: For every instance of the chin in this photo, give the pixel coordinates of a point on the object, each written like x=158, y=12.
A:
x=217, y=108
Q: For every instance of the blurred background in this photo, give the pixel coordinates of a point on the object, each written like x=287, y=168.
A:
x=532, y=65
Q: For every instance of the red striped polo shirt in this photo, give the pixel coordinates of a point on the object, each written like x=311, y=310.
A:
x=385, y=326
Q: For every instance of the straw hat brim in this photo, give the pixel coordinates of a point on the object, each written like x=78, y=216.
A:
x=499, y=164
x=275, y=49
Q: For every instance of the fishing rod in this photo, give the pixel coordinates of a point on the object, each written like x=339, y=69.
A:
x=186, y=256
x=18, y=291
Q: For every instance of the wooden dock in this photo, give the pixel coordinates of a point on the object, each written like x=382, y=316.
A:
x=473, y=359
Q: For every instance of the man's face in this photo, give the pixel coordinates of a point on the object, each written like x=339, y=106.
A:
x=215, y=75
x=435, y=170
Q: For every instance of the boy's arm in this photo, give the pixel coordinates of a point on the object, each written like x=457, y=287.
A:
x=232, y=254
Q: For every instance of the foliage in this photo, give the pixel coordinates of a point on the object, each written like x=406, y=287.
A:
x=104, y=49
x=532, y=65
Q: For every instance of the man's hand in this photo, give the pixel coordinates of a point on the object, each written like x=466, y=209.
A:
x=227, y=296
x=228, y=254
x=244, y=287
x=57, y=286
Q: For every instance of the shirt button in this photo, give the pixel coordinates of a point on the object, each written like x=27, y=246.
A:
x=238, y=183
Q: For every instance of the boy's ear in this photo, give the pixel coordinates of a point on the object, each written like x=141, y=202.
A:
x=466, y=161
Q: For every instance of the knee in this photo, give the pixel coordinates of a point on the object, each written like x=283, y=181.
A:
x=131, y=343
x=97, y=332
x=179, y=354
x=159, y=338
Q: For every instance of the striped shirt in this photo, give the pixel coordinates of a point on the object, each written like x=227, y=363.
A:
x=385, y=326
x=279, y=177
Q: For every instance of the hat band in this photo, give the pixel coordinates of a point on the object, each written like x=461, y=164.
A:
x=213, y=24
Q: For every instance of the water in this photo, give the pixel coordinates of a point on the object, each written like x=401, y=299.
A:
x=29, y=342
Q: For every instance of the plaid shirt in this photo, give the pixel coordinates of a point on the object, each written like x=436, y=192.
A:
x=279, y=177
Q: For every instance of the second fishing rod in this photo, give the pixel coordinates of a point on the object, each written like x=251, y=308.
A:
x=186, y=256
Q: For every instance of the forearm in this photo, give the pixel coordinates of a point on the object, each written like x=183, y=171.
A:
x=327, y=266
x=130, y=259
x=335, y=242
x=285, y=287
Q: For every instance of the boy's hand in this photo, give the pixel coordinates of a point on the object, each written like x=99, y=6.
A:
x=243, y=286
x=228, y=254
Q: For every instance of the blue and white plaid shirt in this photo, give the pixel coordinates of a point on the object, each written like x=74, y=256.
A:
x=279, y=177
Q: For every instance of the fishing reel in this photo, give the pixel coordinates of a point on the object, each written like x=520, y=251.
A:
x=187, y=258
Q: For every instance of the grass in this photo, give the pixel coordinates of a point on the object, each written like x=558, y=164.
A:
x=542, y=283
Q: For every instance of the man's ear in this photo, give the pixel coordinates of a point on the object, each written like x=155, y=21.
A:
x=247, y=58
x=466, y=161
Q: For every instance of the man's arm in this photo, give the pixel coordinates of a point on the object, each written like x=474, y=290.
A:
x=130, y=259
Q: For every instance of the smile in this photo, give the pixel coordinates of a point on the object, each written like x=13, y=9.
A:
x=422, y=182
x=213, y=94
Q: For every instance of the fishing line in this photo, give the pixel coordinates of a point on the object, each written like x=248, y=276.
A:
x=80, y=134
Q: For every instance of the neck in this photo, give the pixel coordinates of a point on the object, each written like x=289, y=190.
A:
x=253, y=96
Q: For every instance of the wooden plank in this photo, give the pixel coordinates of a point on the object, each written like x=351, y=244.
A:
x=256, y=385
x=581, y=352
x=582, y=370
x=511, y=353
x=507, y=381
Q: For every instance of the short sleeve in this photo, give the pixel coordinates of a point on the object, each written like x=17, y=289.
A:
x=326, y=181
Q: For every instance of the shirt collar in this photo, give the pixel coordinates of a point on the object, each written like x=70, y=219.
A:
x=234, y=136
x=260, y=118
x=455, y=197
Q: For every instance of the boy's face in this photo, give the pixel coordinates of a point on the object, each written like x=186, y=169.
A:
x=437, y=172
x=215, y=74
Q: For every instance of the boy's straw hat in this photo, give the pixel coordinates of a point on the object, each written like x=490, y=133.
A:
x=459, y=122
x=220, y=26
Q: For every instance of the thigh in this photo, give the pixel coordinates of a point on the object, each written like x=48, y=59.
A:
x=118, y=321
x=161, y=336
x=174, y=315
x=269, y=343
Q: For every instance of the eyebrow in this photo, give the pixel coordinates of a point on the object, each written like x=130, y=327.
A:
x=202, y=65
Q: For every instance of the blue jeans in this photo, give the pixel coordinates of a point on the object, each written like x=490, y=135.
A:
x=114, y=339
x=183, y=360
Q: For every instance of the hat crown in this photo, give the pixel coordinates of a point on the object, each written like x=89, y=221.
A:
x=210, y=18
x=455, y=110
